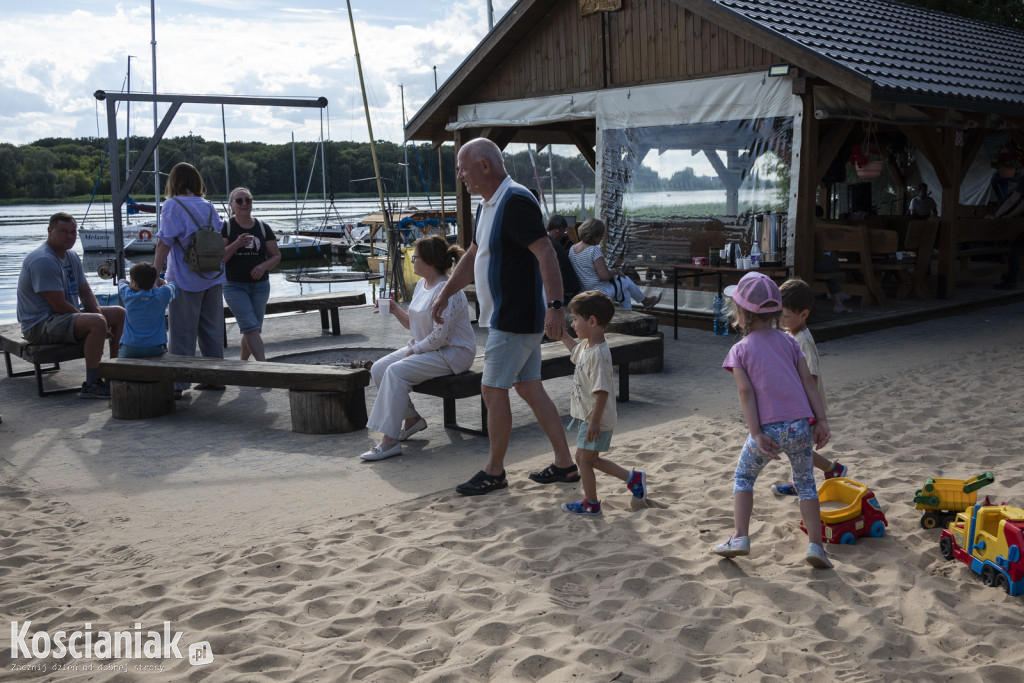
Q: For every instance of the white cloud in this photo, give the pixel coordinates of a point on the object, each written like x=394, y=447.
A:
x=233, y=48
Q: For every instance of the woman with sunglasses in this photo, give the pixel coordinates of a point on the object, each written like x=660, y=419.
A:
x=250, y=253
x=436, y=349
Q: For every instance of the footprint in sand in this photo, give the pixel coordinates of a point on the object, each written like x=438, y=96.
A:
x=637, y=504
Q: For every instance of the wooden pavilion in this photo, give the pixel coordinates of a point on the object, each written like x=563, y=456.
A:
x=805, y=79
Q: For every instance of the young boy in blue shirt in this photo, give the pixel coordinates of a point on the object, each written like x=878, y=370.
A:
x=145, y=303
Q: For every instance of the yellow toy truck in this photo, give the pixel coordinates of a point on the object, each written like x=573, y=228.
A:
x=989, y=539
x=942, y=499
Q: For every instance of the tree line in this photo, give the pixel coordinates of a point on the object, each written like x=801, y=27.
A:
x=67, y=169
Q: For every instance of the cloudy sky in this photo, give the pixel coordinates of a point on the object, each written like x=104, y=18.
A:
x=55, y=54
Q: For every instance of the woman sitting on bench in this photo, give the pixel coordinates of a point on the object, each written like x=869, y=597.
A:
x=593, y=272
x=435, y=349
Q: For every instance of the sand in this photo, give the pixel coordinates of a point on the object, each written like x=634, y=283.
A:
x=354, y=585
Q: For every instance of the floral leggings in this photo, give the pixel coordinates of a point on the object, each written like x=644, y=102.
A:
x=796, y=440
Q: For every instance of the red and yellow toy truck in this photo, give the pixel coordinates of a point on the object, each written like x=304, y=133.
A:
x=942, y=499
x=860, y=514
x=989, y=539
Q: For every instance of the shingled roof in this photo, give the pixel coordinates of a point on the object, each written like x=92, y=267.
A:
x=905, y=53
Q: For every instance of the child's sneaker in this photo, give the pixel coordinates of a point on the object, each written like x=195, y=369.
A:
x=817, y=557
x=583, y=507
x=735, y=546
x=637, y=484
x=838, y=470
x=784, y=489
x=97, y=389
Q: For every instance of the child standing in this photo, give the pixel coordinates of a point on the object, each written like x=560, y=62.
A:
x=590, y=406
x=778, y=397
x=797, y=300
x=145, y=302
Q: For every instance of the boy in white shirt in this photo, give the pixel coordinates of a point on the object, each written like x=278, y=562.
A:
x=797, y=301
x=593, y=406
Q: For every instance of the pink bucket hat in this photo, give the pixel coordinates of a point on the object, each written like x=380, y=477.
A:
x=756, y=293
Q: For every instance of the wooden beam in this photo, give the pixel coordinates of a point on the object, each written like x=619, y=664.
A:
x=463, y=202
x=585, y=148
x=806, y=182
x=828, y=149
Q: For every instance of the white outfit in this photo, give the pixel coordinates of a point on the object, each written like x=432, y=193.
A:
x=621, y=289
x=438, y=349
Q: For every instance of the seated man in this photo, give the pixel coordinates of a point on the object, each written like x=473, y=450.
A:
x=558, y=230
x=57, y=306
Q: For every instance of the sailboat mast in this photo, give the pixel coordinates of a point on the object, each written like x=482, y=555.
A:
x=128, y=125
x=405, y=148
x=369, y=126
x=227, y=180
x=156, y=125
x=295, y=185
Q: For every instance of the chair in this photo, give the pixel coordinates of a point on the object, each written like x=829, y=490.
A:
x=919, y=237
x=854, y=246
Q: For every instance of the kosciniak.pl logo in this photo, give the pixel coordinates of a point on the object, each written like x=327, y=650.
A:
x=87, y=643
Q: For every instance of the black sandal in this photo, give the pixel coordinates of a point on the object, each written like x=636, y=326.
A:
x=553, y=473
x=482, y=483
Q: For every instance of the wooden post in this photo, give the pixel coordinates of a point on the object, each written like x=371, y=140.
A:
x=141, y=400
x=327, y=412
x=806, y=183
x=463, y=202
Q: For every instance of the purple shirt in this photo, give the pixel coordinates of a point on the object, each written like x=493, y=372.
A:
x=770, y=358
x=176, y=228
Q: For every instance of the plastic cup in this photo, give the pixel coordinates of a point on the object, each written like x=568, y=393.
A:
x=384, y=305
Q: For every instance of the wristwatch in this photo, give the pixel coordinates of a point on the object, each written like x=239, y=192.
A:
x=556, y=304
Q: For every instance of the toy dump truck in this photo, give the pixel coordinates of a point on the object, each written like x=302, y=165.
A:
x=942, y=499
x=859, y=514
x=989, y=539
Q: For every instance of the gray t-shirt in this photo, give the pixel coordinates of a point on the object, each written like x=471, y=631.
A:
x=44, y=271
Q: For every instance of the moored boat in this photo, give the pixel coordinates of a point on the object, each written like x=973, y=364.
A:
x=138, y=238
x=298, y=247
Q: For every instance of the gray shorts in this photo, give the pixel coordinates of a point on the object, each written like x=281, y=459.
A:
x=510, y=358
x=59, y=328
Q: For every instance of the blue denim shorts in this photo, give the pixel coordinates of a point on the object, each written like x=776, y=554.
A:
x=510, y=358
x=128, y=351
x=248, y=303
x=603, y=443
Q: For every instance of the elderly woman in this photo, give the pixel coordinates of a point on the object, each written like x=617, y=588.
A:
x=250, y=253
x=197, y=313
x=435, y=349
x=593, y=272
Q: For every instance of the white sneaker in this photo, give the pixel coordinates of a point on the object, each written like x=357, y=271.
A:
x=377, y=453
x=417, y=426
x=735, y=546
x=817, y=557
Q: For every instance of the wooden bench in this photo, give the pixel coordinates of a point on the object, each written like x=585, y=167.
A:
x=324, y=400
x=854, y=245
x=327, y=303
x=52, y=355
x=915, y=235
x=554, y=363
x=976, y=241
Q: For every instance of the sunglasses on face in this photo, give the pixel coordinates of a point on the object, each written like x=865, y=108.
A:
x=243, y=200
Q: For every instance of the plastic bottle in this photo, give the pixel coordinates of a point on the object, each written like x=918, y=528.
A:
x=720, y=322
x=755, y=255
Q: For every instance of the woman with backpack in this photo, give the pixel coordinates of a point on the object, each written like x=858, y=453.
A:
x=197, y=313
x=250, y=253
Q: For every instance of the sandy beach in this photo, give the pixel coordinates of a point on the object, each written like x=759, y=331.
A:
x=295, y=561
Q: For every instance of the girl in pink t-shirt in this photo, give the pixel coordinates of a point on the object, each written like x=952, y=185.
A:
x=779, y=398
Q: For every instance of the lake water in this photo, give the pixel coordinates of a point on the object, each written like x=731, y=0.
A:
x=23, y=228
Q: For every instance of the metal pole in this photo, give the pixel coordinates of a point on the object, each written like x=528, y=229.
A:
x=295, y=185
x=227, y=181
x=490, y=15
x=156, y=126
x=405, y=148
x=128, y=125
x=440, y=172
x=369, y=126
x=551, y=173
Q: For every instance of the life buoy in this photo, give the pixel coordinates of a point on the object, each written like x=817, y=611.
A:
x=145, y=234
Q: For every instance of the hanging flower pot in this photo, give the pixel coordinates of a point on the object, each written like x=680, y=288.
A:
x=1007, y=171
x=870, y=170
